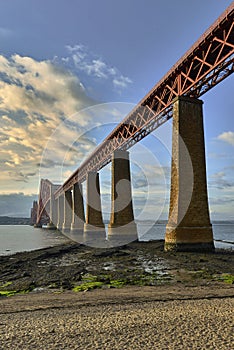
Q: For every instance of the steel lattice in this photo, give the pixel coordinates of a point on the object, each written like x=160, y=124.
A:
x=209, y=61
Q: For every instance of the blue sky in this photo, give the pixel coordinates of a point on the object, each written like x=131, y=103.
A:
x=60, y=57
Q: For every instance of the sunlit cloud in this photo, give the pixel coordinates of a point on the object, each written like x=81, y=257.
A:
x=36, y=97
x=227, y=136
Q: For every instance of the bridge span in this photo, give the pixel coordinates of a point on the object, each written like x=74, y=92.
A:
x=208, y=62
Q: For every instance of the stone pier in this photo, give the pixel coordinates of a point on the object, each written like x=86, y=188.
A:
x=53, y=214
x=78, y=217
x=52, y=209
x=189, y=227
x=60, y=212
x=34, y=211
x=94, y=229
x=67, y=211
x=122, y=228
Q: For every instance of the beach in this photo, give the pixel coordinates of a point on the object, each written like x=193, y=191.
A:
x=133, y=318
x=131, y=297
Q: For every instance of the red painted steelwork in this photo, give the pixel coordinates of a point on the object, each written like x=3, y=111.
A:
x=207, y=63
x=44, y=198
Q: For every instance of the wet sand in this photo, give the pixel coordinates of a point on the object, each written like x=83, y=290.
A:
x=167, y=300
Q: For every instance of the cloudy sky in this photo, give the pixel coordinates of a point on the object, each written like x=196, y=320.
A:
x=71, y=69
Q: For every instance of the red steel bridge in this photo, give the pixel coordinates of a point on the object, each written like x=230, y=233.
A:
x=208, y=62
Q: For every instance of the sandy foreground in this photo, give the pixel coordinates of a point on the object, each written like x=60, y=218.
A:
x=162, y=317
x=167, y=300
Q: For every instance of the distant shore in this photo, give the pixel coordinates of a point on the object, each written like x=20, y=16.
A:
x=8, y=220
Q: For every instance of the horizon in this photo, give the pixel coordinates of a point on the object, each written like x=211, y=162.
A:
x=164, y=221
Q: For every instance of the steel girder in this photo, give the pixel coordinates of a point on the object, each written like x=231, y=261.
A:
x=44, y=198
x=209, y=61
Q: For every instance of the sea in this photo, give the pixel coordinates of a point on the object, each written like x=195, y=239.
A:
x=20, y=238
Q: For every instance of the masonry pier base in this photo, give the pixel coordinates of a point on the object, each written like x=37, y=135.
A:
x=60, y=208
x=94, y=229
x=67, y=211
x=78, y=217
x=122, y=228
x=189, y=227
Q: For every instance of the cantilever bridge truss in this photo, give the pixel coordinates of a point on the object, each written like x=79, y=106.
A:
x=209, y=61
x=44, y=201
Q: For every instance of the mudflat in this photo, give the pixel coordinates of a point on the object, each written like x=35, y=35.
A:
x=71, y=265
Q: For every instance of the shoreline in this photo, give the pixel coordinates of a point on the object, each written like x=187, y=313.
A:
x=225, y=246
x=47, y=239
x=74, y=267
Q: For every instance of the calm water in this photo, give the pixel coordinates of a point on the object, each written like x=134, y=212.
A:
x=21, y=238
x=25, y=238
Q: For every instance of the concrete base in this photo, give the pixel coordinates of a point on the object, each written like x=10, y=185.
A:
x=189, y=239
x=121, y=235
x=94, y=236
x=51, y=226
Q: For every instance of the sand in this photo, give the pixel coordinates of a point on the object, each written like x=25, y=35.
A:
x=131, y=318
x=168, y=300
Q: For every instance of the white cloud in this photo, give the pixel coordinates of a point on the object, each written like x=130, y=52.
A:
x=220, y=181
x=35, y=98
x=122, y=82
x=98, y=69
x=40, y=87
x=227, y=136
x=94, y=66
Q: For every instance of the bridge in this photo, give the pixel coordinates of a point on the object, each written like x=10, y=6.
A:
x=208, y=62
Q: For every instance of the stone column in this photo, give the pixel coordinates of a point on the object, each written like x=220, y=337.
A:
x=122, y=228
x=78, y=217
x=53, y=214
x=67, y=211
x=34, y=211
x=60, y=212
x=189, y=227
x=45, y=218
x=94, y=229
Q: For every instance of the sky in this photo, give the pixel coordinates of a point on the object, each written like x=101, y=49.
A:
x=71, y=69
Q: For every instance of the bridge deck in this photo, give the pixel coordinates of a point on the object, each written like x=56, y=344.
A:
x=204, y=65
